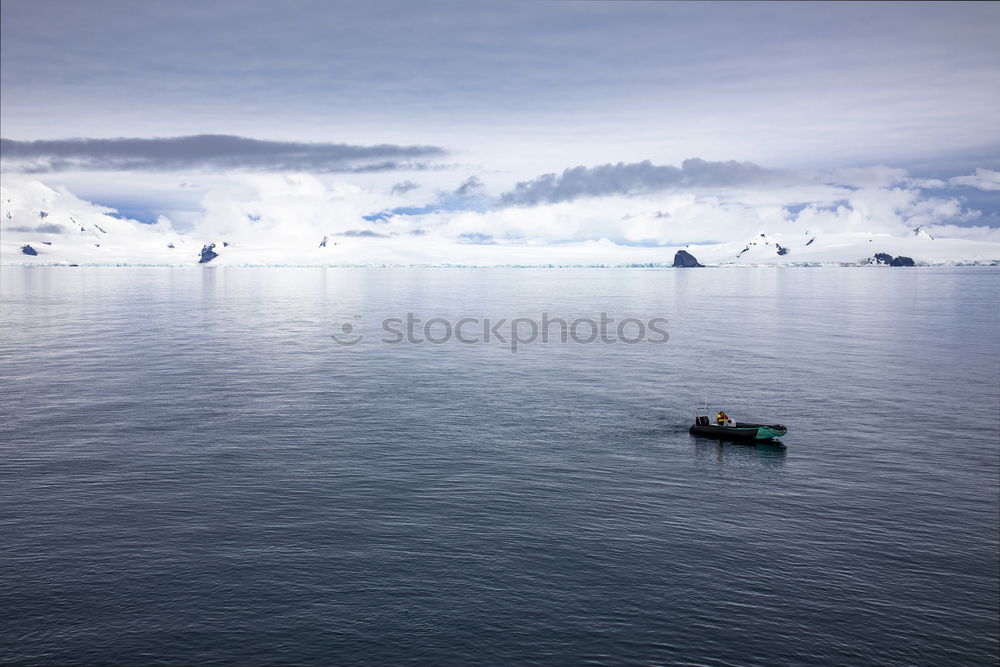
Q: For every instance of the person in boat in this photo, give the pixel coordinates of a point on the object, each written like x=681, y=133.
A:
x=721, y=418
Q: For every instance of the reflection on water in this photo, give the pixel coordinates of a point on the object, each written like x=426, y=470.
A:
x=727, y=452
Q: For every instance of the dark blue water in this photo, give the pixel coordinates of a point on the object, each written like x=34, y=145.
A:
x=193, y=472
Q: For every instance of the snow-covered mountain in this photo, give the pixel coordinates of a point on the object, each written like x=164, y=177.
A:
x=44, y=226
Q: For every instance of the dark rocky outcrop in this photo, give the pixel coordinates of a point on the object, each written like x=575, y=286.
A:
x=684, y=260
x=28, y=250
x=208, y=254
x=781, y=249
x=886, y=259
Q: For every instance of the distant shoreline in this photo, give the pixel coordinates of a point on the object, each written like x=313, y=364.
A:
x=803, y=265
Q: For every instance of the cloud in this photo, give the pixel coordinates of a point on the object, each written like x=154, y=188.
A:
x=978, y=233
x=50, y=228
x=285, y=219
x=629, y=178
x=983, y=179
x=209, y=152
x=680, y=216
x=363, y=233
x=471, y=187
x=699, y=201
x=403, y=187
x=469, y=195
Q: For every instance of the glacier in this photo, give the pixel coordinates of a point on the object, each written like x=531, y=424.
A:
x=42, y=226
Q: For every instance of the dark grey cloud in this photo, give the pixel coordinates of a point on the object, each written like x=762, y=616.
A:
x=471, y=187
x=635, y=177
x=207, y=151
x=403, y=187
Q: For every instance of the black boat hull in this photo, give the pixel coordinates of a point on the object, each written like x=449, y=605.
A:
x=743, y=432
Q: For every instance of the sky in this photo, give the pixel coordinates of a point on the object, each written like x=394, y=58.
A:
x=504, y=118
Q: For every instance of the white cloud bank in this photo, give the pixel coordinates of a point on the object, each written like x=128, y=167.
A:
x=299, y=219
x=983, y=179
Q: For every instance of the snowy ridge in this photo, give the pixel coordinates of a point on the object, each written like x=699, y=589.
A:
x=44, y=226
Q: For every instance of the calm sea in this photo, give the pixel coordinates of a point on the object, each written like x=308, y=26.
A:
x=193, y=472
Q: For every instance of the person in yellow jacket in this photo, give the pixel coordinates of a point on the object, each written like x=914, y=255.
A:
x=721, y=418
